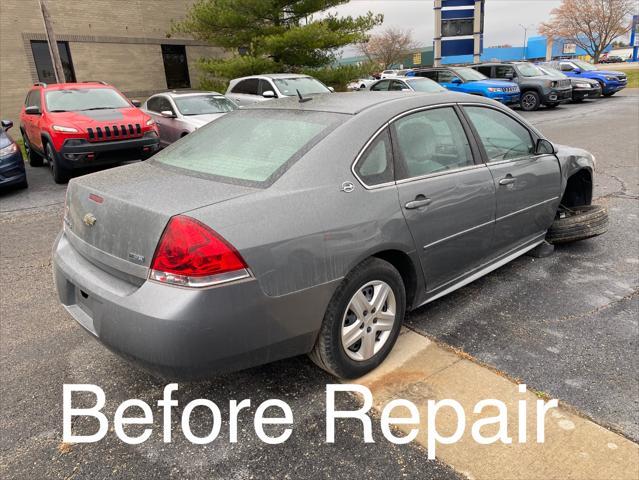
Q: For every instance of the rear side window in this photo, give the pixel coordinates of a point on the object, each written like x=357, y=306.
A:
x=485, y=70
x=376, y=164
x=503, y=137
x=431, y=141
x=252, y=147
x=247, y=87
x=504, y=71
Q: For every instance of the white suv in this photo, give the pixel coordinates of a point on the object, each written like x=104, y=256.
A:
x=258, y=88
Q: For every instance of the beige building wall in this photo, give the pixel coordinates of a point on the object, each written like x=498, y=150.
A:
x=118, y=41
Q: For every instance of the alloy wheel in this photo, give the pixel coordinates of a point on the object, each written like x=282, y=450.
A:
x=368, y=320
x=528, y=101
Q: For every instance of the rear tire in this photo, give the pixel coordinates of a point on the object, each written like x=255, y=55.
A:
x=582, y=222
x=34, y=159
x=372, y=300
x=60, y=174
x=530, y=101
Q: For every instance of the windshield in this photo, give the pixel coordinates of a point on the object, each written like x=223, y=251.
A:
x=470, y=75
x=425, y=85
x=306, y=86
x=78, y=99
x=203, y=104
x=586, y=67
x=551, y=71
x=529, y=70
x=249, y=146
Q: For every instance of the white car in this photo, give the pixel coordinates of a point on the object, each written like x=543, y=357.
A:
x=259, y=88
x=389, y=73
x=361, y=83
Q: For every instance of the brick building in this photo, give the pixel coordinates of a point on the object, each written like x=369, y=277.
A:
x=123, y=42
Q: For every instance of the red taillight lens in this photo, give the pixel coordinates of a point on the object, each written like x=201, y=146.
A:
x=193, y=255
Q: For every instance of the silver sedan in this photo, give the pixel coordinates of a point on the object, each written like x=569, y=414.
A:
x=311, y=226
x=178, y=113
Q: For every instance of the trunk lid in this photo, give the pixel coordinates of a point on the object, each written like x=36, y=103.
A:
x=115, y=218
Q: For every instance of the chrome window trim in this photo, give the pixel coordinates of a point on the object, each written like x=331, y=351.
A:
x=439, y=174
x=521, y=210
x=386, y=125
x=537, y=135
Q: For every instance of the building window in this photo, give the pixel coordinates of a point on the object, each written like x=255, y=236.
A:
x=176, y=67
x=44, y=64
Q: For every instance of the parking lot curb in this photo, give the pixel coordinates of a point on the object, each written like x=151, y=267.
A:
x=575, y=448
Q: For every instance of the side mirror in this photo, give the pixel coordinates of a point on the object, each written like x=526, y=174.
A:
x=167, y=114
x=7, y=124
x=269, y=94
x=576, y=70
x=456, y=81
x=331, y=89
x=32, y=110
x=136, y=103
x=544, y=147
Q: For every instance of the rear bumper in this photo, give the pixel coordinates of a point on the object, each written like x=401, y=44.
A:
x=81, y=153
x=12, y=171
x=187, y=333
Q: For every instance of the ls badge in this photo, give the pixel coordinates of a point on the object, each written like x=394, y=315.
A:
x=89, y=219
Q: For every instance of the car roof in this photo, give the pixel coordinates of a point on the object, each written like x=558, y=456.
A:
x=354, y=103
x=69, y=86
x=188, y=93
x=273, y=76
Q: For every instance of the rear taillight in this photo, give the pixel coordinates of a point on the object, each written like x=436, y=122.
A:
x=191, y=254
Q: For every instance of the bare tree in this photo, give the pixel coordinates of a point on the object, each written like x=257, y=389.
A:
x=388, y=47
x=590, y=24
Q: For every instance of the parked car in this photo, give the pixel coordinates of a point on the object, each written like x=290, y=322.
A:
x=360, y=83
x=178, y=113
x=611, y=81
x=612, y=59
x=12, y=171
x=258, y=88
x=389, y=74
x=581, y=87
x=74, y=125
x=467, y=80
x=298, y=227
x=537, y=88
x=406, y=84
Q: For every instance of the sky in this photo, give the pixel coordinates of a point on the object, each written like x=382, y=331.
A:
x=501, y=23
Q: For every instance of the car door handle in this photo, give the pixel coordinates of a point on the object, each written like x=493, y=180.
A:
x=507, y=180
x=419, y=202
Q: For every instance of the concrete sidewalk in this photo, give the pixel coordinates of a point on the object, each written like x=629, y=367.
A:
x=575, y=448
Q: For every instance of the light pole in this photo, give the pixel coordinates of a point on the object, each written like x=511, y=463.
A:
x=525, y=47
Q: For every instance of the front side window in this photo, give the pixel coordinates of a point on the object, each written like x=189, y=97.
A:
x=247, y=87
x=504, y=71
x=249, y=146
x=503, y=137
x=398, y=86
x=376, y=164
x=203, y=104
x=431, y=141
x=78, y=99
x=485, y=70
x=305, y=85
x=446, y=76
x=381, y=86
x=159, y=104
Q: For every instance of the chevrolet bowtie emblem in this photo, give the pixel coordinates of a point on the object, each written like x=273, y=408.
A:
x=89, y=219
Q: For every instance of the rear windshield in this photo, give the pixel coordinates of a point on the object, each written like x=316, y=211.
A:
x=252, y=147
x=79, y=99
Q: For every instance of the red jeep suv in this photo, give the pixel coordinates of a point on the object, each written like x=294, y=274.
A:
x=74, y=125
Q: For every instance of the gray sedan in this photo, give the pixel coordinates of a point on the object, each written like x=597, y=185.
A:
x=178, y=113
x=311, y=227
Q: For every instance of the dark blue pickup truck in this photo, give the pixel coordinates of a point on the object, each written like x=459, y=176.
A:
x=611, y=81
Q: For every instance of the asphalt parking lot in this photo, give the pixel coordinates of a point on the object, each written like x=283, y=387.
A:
x=565, y=324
